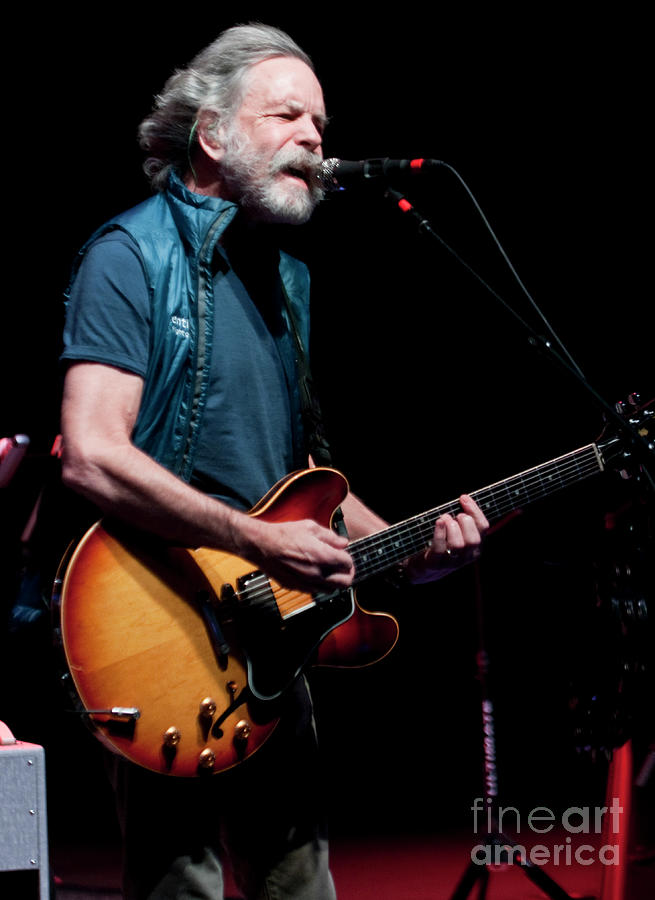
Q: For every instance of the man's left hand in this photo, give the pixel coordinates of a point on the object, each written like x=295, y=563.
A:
x=456, y=542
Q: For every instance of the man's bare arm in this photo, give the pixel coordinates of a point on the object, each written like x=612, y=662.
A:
x=100, y=461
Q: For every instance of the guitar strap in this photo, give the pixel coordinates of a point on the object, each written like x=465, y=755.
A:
x=312, y=416
x=316, y=438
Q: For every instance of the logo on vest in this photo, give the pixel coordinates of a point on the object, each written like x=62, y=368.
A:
x=180, y=326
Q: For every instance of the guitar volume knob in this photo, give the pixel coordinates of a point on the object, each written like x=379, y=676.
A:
x=171, y=737
x=207, y=708
x=207, y=759
x=242, y=730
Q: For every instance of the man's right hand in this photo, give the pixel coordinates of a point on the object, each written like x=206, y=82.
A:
x=301, y=555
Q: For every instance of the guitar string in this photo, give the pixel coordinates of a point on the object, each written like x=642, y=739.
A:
x=504, y=502
x=421, y=525
x=568, y=469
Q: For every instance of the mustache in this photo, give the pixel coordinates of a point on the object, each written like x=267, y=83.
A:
x=298, y=161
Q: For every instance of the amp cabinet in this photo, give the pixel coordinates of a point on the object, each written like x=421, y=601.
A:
x=23, y=818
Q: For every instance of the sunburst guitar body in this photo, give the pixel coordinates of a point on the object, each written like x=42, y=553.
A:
x=178, y=657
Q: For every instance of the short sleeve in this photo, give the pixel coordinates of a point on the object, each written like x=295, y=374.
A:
x=108, y=311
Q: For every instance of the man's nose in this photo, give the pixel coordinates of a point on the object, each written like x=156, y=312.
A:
x=308, y=134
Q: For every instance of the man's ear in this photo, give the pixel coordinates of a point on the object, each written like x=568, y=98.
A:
x=208, y=133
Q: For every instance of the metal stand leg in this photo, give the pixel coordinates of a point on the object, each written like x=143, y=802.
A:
x=502, y=847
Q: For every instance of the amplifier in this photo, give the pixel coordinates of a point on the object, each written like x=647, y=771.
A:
x=23, y=817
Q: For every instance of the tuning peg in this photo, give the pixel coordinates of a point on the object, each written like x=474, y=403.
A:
x=623, y=407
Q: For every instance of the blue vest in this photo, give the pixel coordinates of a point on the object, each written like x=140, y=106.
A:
x=176, y=232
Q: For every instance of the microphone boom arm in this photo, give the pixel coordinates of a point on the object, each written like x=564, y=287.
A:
x=638, y=445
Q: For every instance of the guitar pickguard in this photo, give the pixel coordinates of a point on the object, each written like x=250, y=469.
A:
x=277, y=649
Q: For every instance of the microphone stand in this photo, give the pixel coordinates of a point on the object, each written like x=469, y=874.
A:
x=499, y=844
x=636, y=445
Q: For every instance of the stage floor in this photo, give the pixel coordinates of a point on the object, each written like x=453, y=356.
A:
x=403, y=867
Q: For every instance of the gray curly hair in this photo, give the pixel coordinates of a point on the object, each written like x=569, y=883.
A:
x=214, y=79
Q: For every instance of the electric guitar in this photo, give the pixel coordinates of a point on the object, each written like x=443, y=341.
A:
x=178, y=657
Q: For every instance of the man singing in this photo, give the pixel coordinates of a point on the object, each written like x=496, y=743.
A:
x=185, y=339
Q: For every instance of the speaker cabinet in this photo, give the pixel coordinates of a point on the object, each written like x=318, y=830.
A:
x=23, y=818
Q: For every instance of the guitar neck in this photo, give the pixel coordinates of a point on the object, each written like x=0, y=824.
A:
x=381, y=551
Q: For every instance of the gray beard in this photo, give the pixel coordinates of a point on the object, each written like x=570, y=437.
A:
x=259, y=192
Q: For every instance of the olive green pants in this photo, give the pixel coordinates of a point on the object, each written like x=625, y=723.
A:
x=264, y=819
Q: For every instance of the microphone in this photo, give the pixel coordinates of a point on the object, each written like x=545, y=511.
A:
x=337, y=174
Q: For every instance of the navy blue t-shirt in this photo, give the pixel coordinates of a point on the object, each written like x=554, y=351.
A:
x=250, y=435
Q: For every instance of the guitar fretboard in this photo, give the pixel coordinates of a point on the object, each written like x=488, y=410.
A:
x=378, y=552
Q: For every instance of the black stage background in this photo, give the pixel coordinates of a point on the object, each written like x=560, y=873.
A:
x=428, y=387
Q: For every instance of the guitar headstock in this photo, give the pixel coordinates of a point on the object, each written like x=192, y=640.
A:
x=624, y=448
